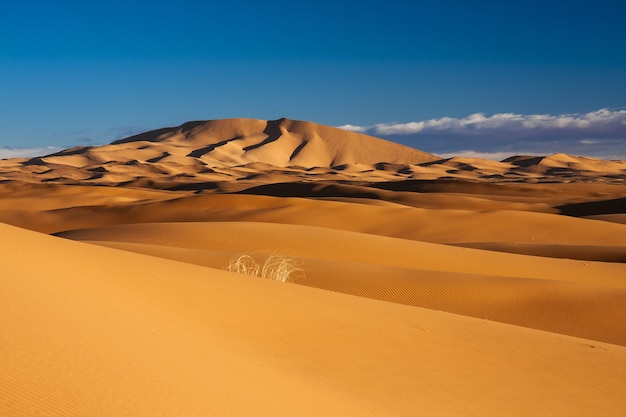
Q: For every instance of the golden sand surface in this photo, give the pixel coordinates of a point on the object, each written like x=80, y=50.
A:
x=425, y=286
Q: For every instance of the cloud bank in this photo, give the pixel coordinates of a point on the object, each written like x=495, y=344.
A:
x=600, y=134
x=6, y=153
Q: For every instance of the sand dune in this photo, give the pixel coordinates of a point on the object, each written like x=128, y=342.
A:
x=194, y=149
x=220, y=150
x=586, y=299
x=506, y=230
x=128, y=335
x=428, y=286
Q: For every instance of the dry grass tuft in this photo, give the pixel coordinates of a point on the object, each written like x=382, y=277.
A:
x=276, y=267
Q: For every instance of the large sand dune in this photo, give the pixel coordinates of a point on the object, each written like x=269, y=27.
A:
x=428, y=286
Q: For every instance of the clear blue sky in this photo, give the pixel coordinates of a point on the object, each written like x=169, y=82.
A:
x=89, y=72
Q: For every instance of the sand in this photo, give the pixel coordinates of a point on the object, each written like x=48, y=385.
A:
x=428, y=286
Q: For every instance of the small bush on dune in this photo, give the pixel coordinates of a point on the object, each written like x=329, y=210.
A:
x=276, y=267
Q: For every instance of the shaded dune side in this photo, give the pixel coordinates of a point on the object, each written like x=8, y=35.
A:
x=568, y=251
x=569, y=297
x=363, y=192
x=613, y=218
x=593, y=208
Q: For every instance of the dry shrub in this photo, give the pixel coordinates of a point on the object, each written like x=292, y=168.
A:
x=276, y=267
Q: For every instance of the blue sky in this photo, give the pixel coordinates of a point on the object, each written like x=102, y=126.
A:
x=89, y=72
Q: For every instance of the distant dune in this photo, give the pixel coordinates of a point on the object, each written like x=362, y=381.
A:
x=426, y=286
x=198, y=154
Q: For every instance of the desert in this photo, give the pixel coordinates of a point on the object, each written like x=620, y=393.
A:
x=421, y=285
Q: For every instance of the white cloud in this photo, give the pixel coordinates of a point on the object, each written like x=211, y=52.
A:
x=400, y=128
x=353, y=128
x=6, y=153
x=494, y=156
x=598, y=119
x=589, y=141
x=600, y=132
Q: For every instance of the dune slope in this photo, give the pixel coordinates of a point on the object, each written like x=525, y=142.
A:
x=95, y=331
x=586, y=299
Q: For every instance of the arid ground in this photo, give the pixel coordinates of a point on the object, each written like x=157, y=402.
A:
x=425, y=286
